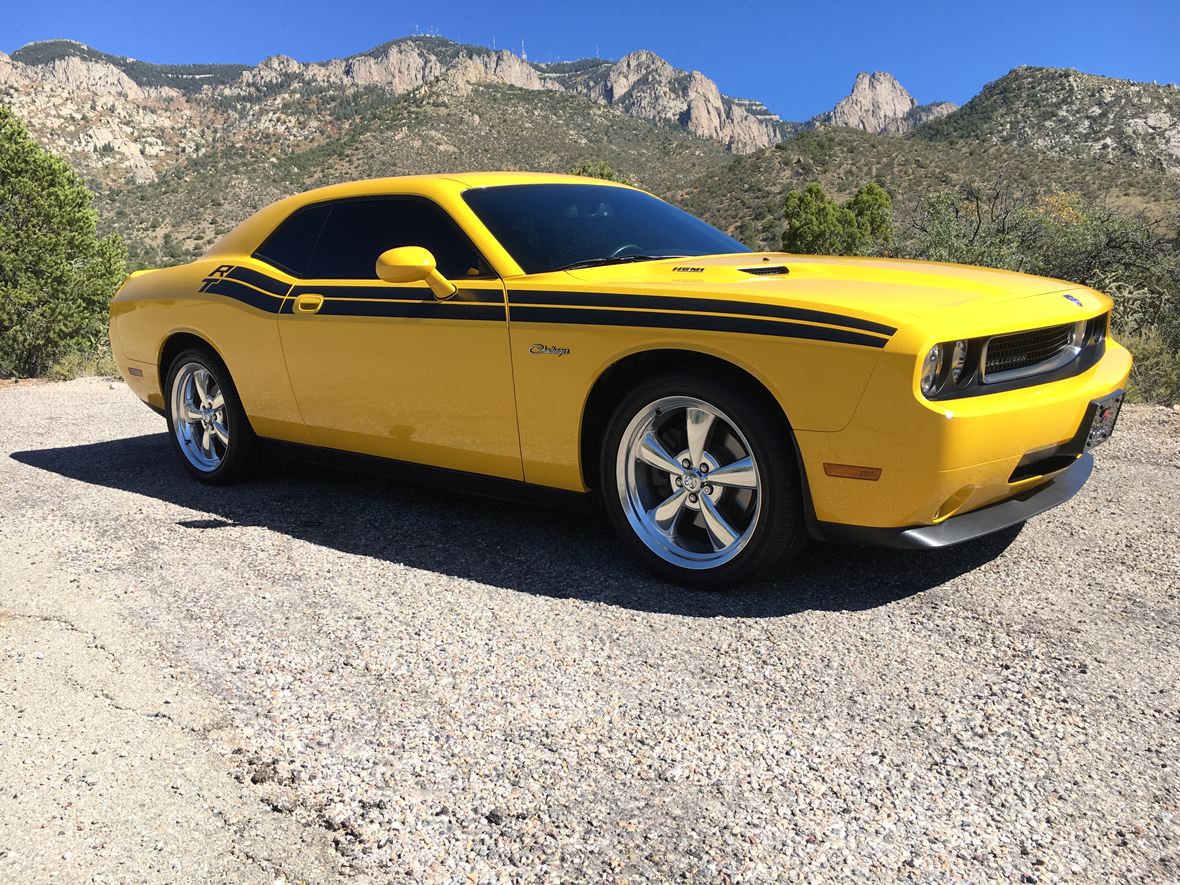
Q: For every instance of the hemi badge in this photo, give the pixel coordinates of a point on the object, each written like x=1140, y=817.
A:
x=137, y=373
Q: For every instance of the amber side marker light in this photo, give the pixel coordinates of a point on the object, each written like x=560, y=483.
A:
x=853, y=471
x=138, y=373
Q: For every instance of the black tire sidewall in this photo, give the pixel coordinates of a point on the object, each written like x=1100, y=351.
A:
x=781, y=530
x=241, y=454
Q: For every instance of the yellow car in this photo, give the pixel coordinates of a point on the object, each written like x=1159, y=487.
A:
x=547, y=332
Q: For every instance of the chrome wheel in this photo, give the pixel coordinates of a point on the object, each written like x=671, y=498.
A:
x=199, y=417
x=688, y=482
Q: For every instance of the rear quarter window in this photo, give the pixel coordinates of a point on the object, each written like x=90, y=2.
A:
x=291, y=245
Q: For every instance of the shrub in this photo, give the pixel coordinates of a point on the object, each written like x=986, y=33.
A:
x=81, y=365
x=56, y=274
x=597, y=169
x=818, y=225
x=1065, y=236
x=1155, y=377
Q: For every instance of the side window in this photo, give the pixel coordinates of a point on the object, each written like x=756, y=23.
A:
x=291, y=244
x=357, y=231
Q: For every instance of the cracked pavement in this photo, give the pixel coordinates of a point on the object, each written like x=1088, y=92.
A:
x=106, y=772
x=320, y=676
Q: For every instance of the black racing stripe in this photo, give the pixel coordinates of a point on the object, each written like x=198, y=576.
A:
x=384, y=293
x=425, y=310
x=260, y=281
x=245, y=294
x=646, y=319
x=699, y=305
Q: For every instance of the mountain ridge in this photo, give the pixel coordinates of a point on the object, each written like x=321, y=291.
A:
x=147, y=115
x=641, y=83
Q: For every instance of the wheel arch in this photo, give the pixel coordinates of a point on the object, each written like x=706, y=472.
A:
x=613, y=382
x=173, y=344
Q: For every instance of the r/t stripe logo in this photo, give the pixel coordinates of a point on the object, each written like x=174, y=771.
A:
x=219, y=274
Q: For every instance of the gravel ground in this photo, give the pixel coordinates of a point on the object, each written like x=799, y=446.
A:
x=321, y=675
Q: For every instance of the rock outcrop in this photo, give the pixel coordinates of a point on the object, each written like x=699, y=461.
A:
x=644, y=85
x=1067, y=111
x=879, y=104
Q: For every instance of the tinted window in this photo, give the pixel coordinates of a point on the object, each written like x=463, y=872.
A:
x=548, y=226
x=292, y=243
x=357, y=231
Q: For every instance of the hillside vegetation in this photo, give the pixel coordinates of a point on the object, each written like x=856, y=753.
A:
x=1068, y=112
x=745, y=194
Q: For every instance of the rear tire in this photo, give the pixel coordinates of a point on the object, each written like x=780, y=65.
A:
x=699, y=478
x=206, y=422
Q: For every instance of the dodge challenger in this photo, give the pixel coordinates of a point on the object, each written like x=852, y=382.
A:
x=582, y=338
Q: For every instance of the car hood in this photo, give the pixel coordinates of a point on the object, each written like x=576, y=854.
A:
x=886, y=290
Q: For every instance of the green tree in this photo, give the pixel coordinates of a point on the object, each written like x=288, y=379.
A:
x=872, y=212
x=818, y=225
x=56, y=274
x=597, y=169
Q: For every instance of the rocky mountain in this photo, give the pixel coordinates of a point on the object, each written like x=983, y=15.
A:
x=644, y=85
x=122, y=119
x=185, y=78
x=1066, y=111
x=879, y=104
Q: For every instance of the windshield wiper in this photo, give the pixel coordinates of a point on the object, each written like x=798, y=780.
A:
x=622, y=259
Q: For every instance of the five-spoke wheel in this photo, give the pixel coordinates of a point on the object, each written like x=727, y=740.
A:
x=696, y=508
x=699, y=477
x=198, y=409
x=210, y=431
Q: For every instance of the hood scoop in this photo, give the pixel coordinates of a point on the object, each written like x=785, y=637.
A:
x=767, y=270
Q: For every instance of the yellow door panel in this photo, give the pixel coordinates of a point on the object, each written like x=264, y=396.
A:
x=386, y=369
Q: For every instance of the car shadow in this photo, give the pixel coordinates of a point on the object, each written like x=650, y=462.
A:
x=542, y=551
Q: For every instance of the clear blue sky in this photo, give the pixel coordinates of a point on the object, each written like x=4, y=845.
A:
x=799, y=58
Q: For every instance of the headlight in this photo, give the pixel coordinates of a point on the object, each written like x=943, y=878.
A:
x=1077, y=335
x=958, y=361
x=931, y=369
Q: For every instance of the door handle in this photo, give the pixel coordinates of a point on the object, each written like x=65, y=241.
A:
x=308, y=303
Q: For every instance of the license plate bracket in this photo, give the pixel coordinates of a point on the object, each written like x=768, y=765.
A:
x=1103, y=414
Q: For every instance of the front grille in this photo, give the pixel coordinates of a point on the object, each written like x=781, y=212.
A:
x=1025, y=350
x=770, y=270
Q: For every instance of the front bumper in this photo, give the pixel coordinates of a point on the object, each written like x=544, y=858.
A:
x=966, y=526
x=947, y=459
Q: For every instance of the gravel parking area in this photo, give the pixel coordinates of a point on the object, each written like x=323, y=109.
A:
x=320, y=675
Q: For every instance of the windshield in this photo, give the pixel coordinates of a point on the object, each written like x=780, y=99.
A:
x=561, y=226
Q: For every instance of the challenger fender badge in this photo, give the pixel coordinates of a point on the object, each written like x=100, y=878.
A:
x=549, y=350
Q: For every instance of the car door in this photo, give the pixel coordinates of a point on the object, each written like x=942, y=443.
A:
x=386, y=369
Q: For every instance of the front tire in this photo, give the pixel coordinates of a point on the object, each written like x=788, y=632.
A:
x=699, y=479
x=206, y=422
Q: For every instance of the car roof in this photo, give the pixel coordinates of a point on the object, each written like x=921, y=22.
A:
x=464, y=180
x=246, y=236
